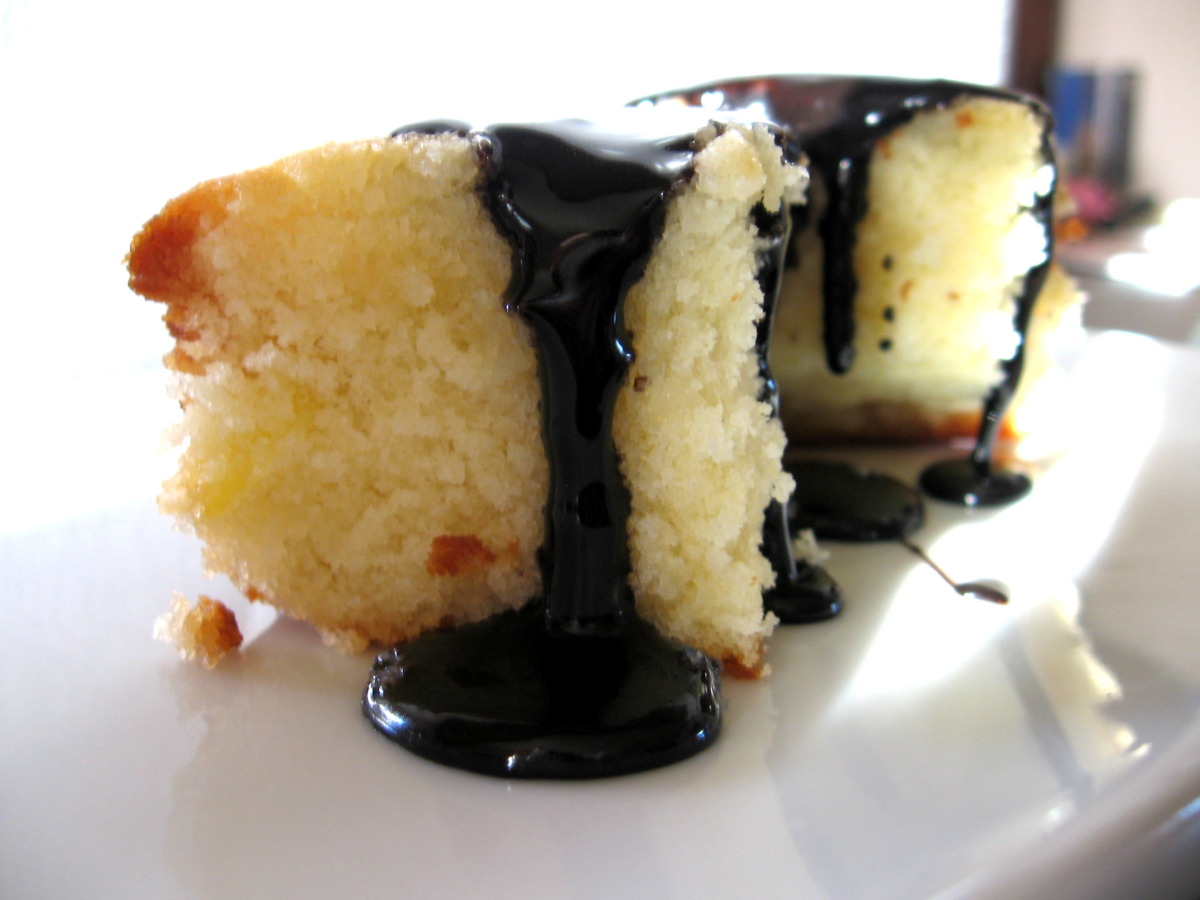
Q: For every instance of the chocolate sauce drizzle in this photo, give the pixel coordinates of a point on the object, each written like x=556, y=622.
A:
x=574, y=685
x=803, y=591
x=985, y=589
x=838, y=121
x=582, y=226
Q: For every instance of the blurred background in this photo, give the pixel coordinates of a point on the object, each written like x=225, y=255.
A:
x=109, y=109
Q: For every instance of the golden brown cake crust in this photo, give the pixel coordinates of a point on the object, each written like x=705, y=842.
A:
x=457, y=554
x=162, y=263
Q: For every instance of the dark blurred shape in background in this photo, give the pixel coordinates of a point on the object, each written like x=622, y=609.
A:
x=1093, y=113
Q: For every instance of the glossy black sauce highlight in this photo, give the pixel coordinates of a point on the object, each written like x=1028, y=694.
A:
x=507, y=697
x=582, y=224
x=837, y=122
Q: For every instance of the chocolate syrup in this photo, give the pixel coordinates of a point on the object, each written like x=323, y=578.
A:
x=574, y=685
x=508, y=697
x=803, y=592
x=582, y=223
x=985, y=589
x=837, y=122
x=841, y=502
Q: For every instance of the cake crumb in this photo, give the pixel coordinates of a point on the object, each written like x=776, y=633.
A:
x=806, y=548
x=205, y=632
x=345, y=641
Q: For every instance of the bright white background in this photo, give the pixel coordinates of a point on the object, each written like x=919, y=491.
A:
x=108, y=109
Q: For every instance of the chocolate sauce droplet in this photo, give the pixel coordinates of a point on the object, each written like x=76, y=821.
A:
x=841, y=502
x=986, y=589
x=970, y=483
x=809, y=594
x=982, y=590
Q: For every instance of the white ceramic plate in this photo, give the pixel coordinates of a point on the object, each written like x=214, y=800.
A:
x=923, y=745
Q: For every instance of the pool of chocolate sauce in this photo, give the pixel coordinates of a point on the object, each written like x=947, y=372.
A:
x=841, y=502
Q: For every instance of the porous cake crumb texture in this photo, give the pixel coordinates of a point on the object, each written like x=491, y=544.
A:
x=354, y=394
x=700, y=449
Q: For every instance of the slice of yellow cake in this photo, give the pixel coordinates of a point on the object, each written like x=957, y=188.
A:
x=360, y=442
x=940, y=258
x=922, y=276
